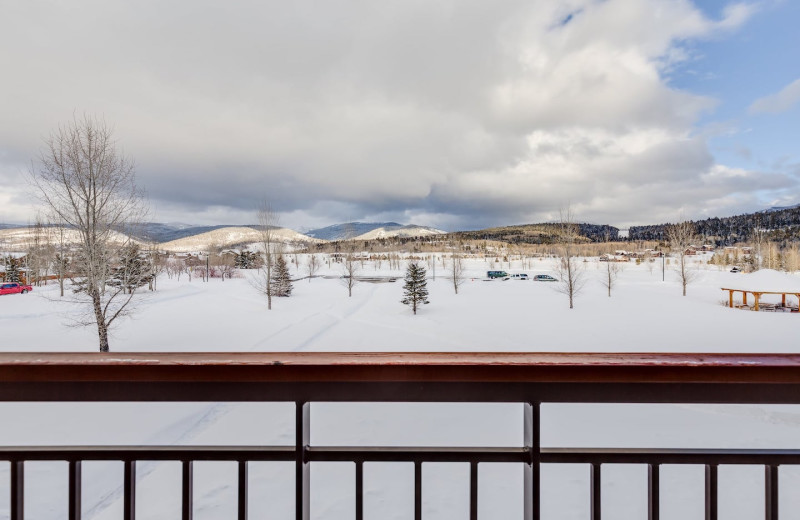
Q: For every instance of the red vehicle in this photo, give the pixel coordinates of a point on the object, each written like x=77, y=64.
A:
x=14, y=288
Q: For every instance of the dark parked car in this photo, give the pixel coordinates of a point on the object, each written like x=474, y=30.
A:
x=496, y=274
x=544, y=278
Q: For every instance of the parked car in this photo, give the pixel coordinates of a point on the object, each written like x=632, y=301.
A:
x=519, y=276
x=14, y=288
x=544, y=278
x=496, y=274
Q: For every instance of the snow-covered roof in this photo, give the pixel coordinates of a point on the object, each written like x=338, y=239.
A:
x=764, y=280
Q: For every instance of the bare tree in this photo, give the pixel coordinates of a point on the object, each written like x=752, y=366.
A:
x=87, y=184
x=680, y=237
x=351, y=269
x=609, y=279
x=312, y=266
x=792, y=258
x=456, y=270
x=570, y=271
x=758, y=236
x=38, y=252
x=267, y=223
x=60, y=255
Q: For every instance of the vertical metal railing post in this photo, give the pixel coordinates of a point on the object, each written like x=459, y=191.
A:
x=417, y=490
x=711, y=492
x=596, y=484
x=771, y=492
x=74, y=490
x=17, y=489
x=653, y=491
x=187, y=492
x=532, y=475
x=359, y=490
x=302, y=467
x=242, y=495
x=473, y=490
x=129, y=490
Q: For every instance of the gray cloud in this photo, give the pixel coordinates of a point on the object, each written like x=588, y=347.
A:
x=460, y=113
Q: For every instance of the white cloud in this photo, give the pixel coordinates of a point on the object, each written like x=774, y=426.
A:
x=462, y=111
x=783, y=101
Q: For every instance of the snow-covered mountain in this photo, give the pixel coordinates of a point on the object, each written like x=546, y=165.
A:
x=20, y=238
x=370, y=231
x=349, y=230
x=780, y=208
x=231, y=236
x=402, y=231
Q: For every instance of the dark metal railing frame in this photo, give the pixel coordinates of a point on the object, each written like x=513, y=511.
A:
x=529, y=379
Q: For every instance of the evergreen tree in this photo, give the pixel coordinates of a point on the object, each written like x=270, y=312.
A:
x=247, y=260
x=12, y=271
x=281, y=281
x=132, y=272
x=416, y=287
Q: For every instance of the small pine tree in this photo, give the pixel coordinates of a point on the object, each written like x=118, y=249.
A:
x=281, y=281
x=12, y=271
x=416, y=287
x=132, y=270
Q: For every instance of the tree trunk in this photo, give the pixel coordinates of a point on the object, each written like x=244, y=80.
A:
x=102, y=330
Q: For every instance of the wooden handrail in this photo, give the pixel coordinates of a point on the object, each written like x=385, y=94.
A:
x=400, y=367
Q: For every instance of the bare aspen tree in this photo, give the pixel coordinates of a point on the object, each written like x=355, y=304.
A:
x=609, y=279
x=38, y=252
x=792, y=258
x=680, y=237
x=312, y=266
x=89, y=186
x=456, y=271
x=758, y=235
x=570, y=271
x=350, y=272
x=60, y=258
x=267, y=223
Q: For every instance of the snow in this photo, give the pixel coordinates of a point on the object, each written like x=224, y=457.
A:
x=643, y=314
x=763, y=280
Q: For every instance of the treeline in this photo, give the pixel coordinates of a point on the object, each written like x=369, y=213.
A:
x=538, y=234
x=781, y=226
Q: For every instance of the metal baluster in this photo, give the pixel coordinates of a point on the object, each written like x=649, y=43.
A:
x=473, y=490
x=129, y=491
x=302, y=468
x=17, y=489
x=531, y=432
x=596, y=497
x=74, y=490
x=771, y=492
x=711, y=492
x=242, y=508
x=359, y=490
x=417, y=490
x=653, y=491
x=188, y=489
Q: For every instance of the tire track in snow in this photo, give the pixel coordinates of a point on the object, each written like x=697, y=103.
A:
x=174, y=434
x=334, y=321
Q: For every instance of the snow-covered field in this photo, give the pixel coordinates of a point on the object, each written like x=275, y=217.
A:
x=644, y=314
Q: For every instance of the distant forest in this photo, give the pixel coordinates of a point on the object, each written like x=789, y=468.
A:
x=780, y=225
x=538, y=234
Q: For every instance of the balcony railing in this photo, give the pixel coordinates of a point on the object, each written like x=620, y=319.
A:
x=303, y=378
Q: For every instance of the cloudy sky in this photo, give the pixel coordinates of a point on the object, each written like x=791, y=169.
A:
x=456, y=114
